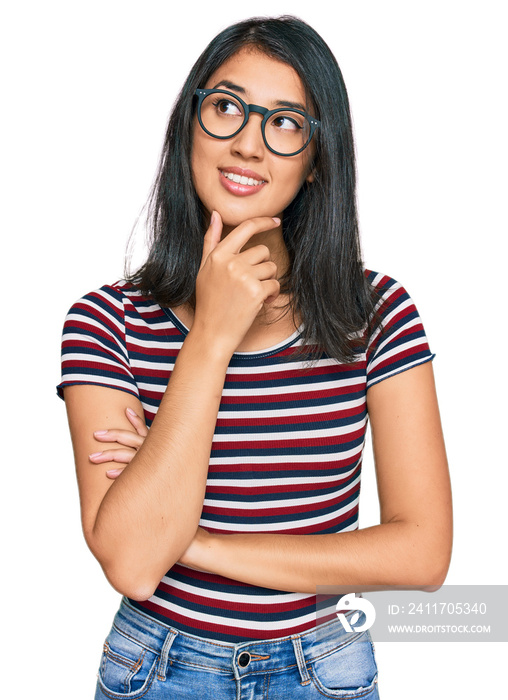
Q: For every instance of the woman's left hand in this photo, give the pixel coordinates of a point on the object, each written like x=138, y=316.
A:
x=130, y=441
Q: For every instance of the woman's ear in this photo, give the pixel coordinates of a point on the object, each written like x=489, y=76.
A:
x=310, y=176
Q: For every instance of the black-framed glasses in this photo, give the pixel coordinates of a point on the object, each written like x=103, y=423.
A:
x=286, y=132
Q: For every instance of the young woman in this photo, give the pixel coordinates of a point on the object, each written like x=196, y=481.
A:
x=253, y=345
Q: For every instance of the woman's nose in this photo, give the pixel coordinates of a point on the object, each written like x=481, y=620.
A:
x=249, y=141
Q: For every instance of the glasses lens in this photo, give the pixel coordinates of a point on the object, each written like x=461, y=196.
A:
x=287, y=131
x=221, y=114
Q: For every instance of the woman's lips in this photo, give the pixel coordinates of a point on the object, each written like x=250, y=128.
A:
x=241, y=182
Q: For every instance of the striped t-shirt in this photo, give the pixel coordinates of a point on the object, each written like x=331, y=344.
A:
x=287, y=449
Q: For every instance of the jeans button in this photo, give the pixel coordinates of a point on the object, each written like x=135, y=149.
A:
x=244, y=659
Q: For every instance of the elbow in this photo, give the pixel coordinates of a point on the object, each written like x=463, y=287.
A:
x=132, y=587
x=433, y=568
x=434, y=584
x=426, y=577
x=423, y=562
x=436, y=576
x=131, y=581
x=133, y=577
x=439, y=559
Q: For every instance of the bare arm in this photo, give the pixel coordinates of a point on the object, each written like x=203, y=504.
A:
x=411, y=547
x=139, y=524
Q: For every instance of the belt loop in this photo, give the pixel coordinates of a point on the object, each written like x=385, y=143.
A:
x=163, y=661
x=300, y=660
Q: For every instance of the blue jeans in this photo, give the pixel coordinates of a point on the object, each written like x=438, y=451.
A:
x=143, y=658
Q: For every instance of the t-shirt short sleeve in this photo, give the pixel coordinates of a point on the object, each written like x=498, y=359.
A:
x=93, y=343
x=399, y=341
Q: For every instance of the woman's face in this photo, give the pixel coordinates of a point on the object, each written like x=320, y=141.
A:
x=261, y=80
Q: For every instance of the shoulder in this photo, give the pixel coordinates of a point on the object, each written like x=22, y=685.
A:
x=94, y=343
x=382, y=284
x=391, y=297
x=116, y=293
x=111, y=300
x=107, y=314
x=397, y=339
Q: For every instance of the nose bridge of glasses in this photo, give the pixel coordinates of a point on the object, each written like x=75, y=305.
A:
x=258, y=124
x=255, y=109
x=258, y=110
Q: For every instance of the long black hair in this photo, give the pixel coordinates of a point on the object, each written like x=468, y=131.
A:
x=325, y=279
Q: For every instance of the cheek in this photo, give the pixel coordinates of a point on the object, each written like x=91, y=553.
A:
x=198, y=161
x=199, y=155
x=293, y=180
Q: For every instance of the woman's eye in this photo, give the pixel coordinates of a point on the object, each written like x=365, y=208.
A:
x=227, y=107
x=283, y=121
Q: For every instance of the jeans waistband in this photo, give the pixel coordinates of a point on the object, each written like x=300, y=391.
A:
x=259, y=656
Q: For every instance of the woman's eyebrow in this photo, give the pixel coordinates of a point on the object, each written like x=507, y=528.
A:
x=280, y=103
x=230, y=86
x=290, y=105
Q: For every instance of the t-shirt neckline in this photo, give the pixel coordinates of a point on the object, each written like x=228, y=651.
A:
x=273, y=349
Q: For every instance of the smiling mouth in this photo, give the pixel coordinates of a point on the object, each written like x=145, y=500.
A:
x=242, y=179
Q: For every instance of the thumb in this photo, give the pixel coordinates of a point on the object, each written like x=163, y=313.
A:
x=212, y=236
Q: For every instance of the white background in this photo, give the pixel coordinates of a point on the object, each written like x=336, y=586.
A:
x=86, y=90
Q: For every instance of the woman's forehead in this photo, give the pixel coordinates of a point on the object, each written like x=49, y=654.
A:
x=256, y=76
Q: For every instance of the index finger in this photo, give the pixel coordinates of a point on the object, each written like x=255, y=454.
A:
x=239, y=236
x=128, y=438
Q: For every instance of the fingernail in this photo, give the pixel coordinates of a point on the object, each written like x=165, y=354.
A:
x=132, y=413
x=94, y=454
x=113, y=472
x=276, y=219
x=213, y=218
x=101, y=432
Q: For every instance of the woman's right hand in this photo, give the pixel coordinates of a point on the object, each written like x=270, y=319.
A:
x=233, y=284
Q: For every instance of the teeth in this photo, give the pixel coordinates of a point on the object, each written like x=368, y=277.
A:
x=242, y=179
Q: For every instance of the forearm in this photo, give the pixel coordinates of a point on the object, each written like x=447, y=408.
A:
x=140, y=525
x=391, y=555
x=150, y=514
